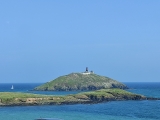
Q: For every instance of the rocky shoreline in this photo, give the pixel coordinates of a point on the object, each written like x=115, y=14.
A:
x=93, y=97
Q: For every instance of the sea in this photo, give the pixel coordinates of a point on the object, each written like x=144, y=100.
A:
x=113, y=110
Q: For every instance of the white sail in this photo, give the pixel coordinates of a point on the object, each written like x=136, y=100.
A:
x=12, y=87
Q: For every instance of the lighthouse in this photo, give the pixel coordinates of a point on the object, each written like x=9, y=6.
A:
x=86, y=69
x=87, y=72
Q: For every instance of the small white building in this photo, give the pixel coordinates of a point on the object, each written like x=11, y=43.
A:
x=87, y=72
x=84, y=73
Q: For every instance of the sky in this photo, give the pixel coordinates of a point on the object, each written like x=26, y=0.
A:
x=41, y=40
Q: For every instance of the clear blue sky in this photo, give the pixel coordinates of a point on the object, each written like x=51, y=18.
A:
x=41, y=40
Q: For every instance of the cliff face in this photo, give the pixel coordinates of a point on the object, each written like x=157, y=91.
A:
x=78, y=81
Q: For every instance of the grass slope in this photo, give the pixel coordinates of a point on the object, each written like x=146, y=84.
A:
x=78, y=81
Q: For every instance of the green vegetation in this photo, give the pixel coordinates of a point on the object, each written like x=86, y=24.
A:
x=110, y=94
x=7, y=97
x=78, y=81
x=17, y=94
x=11, y=98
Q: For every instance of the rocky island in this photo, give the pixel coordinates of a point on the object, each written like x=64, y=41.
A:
x=80, y=81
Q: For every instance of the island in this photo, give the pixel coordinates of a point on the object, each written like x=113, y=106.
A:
x=80, y=82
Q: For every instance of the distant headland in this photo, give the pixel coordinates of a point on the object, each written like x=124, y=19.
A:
x=92, y=97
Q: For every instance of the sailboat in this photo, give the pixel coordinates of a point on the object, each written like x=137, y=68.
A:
x=12, y=87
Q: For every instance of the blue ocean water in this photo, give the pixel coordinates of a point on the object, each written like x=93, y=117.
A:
x=115, y=110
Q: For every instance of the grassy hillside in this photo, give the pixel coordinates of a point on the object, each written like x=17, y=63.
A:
x=78, y=81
